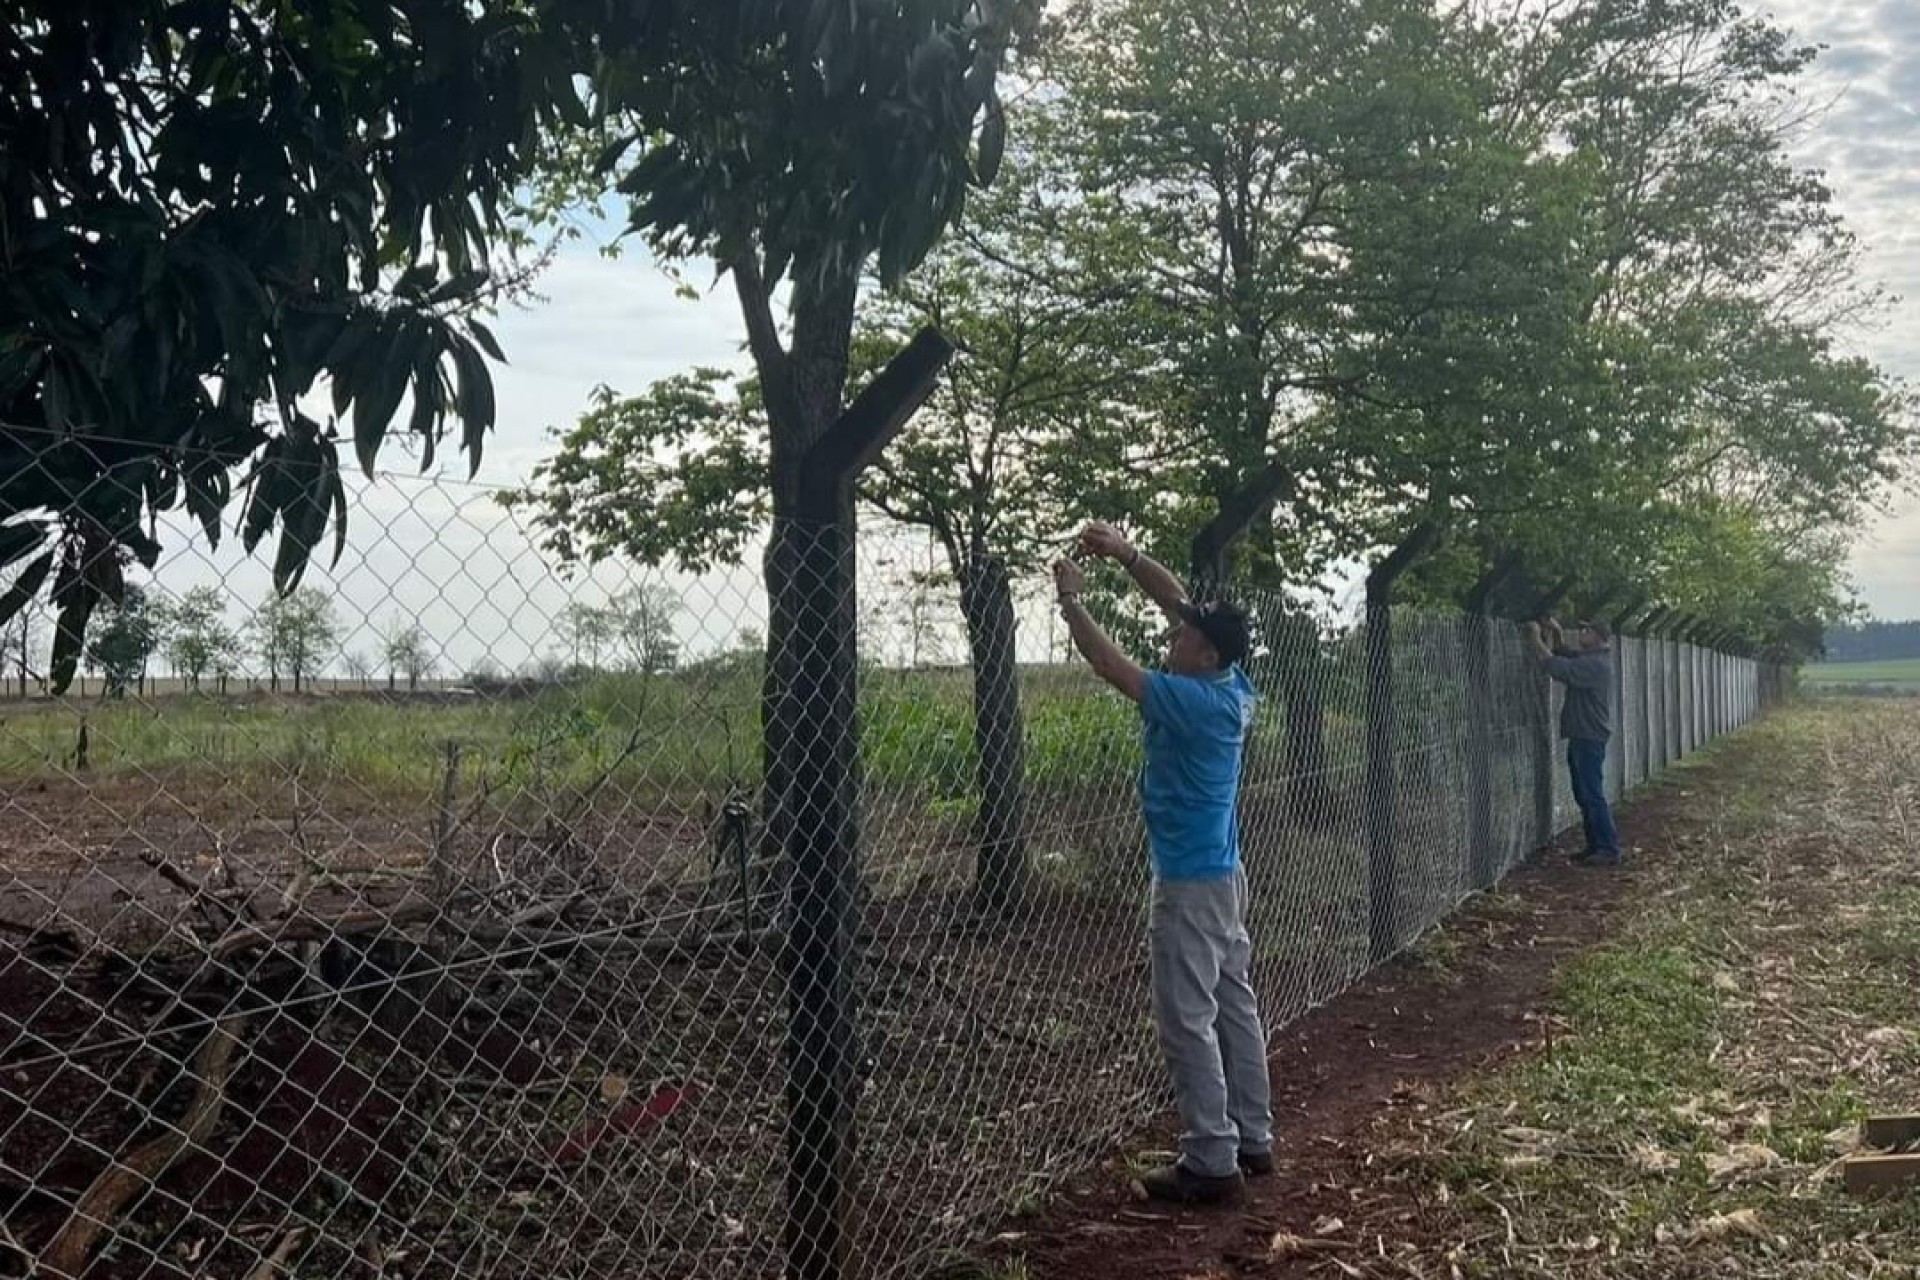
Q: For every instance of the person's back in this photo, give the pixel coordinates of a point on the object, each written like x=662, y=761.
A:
x=1585, y=668
x=1587, y=713
x=1196, y=730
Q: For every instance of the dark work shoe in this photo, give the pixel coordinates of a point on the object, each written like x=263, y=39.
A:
x=1176, y=1184
x=1598, y=859
x=1255, y=1164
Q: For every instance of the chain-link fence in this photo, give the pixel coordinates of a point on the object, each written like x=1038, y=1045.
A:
x=442, y=920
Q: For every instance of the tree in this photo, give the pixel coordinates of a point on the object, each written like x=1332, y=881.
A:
x=409, y=652
x=636, y=626
x=989, y=467
x=1718, y=277
x=235, y=199
x=641, y=621
x=20, y=641
x=196, y=637
x=359, y=667
x=120, y=647
x=803, y=141
x=294, y=634
x=587, y=630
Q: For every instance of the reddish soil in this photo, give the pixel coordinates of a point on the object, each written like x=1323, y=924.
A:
x=1342, y=1074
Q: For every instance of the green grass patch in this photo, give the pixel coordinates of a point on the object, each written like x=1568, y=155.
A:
x=668, y=738
x=1903, y=673
x=1705, y=1069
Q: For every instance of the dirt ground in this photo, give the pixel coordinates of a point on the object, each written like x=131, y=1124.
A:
x=328, y=1123
x=1471, y=998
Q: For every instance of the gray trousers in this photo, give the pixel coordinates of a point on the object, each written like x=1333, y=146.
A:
x=1209, y=1021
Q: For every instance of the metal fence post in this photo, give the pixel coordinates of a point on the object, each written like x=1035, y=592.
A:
x=1680, y=689
x=812, y=583
x=1382, y=798
x=1483, y=861
x=1545, y=737
x=1617, y=744
x=1652, y=704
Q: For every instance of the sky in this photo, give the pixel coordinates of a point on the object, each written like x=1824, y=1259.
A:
x=1868, y=144
x=442, y=552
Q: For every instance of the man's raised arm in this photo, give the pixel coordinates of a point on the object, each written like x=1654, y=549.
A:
x=1107, y=659
x=1152, y=577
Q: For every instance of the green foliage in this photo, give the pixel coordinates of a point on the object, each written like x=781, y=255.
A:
x=124, y=640
x=195, y=635
x=803, y=136
x=214, y=205
x=1874, y=640
x=294, y=634
x=695, y=733
x=409, y=654
x=677, y=474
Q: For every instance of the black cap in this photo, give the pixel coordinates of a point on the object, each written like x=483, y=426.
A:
x=1224, y=626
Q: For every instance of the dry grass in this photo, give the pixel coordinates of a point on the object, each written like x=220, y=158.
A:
x=1707, y=1070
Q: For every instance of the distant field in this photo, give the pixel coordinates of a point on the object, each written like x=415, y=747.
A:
x=1904, y=673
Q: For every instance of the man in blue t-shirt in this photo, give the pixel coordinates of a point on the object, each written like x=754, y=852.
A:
x=1195, y=715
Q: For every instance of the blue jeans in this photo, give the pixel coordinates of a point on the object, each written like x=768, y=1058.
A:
x=1587, y=762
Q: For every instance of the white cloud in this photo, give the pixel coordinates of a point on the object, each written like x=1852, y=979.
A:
x=1869, y=146
x=441, y=551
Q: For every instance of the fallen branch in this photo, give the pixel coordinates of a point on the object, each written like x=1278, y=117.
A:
x=198, y=894
x=310, y=928
x=541, y=912
x=270, y=1264
x=689, y=944
x=99, y=1209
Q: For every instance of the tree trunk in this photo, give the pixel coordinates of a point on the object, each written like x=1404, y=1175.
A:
x=986, y=598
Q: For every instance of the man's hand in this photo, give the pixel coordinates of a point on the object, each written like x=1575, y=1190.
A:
x=1069, y=579
x=1539, y=640
x=1102, y=539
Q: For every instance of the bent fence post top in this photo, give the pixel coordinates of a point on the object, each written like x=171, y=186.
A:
x=1238, y=511
x=1503, y=568
x=1635, y=603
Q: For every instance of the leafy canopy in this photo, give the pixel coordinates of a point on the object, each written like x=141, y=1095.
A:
x=211, y=207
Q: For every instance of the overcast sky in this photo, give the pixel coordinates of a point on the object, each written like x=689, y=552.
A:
x=1869, y=146
x=442, y=552
x=619, y=322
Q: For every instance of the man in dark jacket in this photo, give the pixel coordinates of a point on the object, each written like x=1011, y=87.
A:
x=1584, y=664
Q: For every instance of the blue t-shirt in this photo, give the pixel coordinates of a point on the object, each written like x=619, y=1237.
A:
x=1196, y=728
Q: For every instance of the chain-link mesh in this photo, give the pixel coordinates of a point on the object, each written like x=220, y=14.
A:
x=505, y=924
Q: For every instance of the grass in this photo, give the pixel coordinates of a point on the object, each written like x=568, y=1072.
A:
x=1708, y=1067
x=1901, y=674
x=689, y=735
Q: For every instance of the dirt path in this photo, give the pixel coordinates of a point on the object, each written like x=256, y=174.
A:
x=1469, y=999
